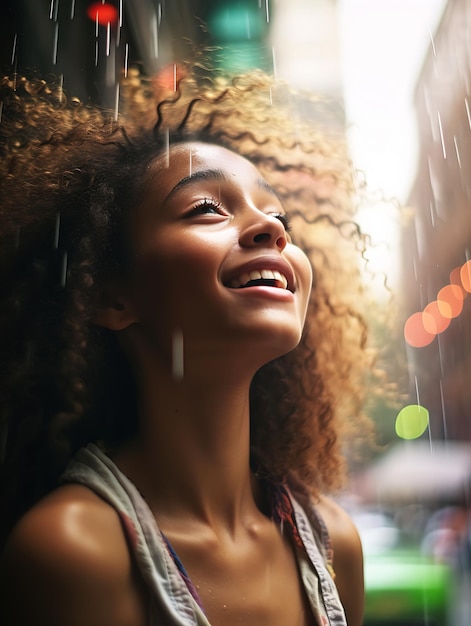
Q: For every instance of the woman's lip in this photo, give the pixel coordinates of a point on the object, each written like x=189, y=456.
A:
x=264, y=291
x=262, y=263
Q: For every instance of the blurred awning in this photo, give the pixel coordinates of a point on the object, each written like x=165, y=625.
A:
x=419, y=471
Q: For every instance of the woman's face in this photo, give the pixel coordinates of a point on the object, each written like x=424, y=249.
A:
x=213, y=262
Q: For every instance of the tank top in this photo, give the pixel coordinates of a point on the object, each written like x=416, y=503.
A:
x=173, y=599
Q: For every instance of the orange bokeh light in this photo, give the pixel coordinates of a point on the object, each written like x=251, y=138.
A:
x=465, y=276
x=450, y=300
x=415, y=332
x=455, y=278
x=434, y=322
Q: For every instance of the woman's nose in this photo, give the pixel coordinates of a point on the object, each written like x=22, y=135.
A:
x=266, y=230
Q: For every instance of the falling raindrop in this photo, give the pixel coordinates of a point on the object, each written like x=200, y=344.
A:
x=126, y=59
x=167, y=147
x=154, y=36
x=467, y=112
x=61, y=87
x=53, y=11
x=63, y=279
x=72, y=10
x=441, y=134
x=116, y=104
x=13, y=52
x=108, y=39
x=442, y=400
x=247, y=25
x=57, y=230
x=457, y=151
x=432, y=43
x=56, y=40
x=177, y=355
x=274, y=61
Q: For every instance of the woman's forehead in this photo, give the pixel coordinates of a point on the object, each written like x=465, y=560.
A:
x=184, y=159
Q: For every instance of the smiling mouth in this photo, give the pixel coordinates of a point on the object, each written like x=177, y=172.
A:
x=256, y=278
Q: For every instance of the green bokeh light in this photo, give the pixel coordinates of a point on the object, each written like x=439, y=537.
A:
x=412, y=421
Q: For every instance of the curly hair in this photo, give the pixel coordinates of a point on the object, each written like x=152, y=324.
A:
x=70, y=176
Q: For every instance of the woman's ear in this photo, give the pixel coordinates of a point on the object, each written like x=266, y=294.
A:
x=117, y=310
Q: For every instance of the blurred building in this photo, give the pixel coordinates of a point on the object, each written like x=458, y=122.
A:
x=437, y=231
x=88, y=44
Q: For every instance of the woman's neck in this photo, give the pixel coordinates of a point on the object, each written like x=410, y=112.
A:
x=191, y=456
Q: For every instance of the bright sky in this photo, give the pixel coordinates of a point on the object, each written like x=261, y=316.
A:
x=384, y=43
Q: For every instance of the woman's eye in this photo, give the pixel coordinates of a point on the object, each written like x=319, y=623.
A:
x=284, y=219
x=207, y=206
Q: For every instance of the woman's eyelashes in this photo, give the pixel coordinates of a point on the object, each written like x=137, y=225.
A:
x=284, y=219
x=210, y=206
x=207, y=206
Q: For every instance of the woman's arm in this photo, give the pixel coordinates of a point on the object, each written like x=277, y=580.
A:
x=348, y=559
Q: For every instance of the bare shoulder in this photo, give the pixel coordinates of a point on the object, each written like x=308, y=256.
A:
x=67, y=562
x=348, y=558
x=342, y=530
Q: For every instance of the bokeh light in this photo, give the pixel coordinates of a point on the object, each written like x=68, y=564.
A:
x=412, y=421
x=104, y=14
x=415, y=333
x=465, y=275
x=421, y=327
x=455, y=277
x=433, y=320
x=450, y=300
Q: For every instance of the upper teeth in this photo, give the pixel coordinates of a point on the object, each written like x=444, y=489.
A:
x=243, y=279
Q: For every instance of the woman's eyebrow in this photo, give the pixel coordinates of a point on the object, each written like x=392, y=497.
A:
x=195, y=177
x=262, y=183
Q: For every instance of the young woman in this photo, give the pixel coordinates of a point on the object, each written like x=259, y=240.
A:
x=171, y=423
